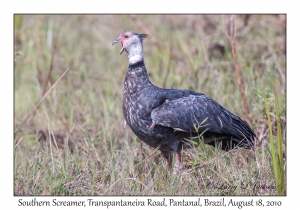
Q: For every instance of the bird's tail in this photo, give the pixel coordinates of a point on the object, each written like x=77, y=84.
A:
x=241, y=135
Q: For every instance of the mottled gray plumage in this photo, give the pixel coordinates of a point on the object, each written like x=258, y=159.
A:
x=164, y=118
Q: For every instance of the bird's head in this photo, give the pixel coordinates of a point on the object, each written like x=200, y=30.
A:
x=131, y=42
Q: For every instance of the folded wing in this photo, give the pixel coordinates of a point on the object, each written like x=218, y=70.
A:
x=196, y=113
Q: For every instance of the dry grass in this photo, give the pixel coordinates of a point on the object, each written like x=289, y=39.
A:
x=75, y=143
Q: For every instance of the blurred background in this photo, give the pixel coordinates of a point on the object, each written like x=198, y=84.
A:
x=83, y=114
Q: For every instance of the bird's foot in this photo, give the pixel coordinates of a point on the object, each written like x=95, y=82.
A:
x=176, y=170
x=177, y=165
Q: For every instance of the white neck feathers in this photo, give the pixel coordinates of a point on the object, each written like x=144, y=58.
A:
x=135, y=52
x=134, y=59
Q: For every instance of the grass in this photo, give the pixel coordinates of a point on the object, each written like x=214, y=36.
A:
x=75, y=142
x=277, y=155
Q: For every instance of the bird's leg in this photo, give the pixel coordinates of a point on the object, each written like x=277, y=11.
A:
x=169, y=157
x=170, y=160
x=177, y=162
x=152, y=126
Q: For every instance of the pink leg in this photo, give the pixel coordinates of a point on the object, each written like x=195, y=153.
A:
x=177, y=162
x=169, y=157
x=170, y=161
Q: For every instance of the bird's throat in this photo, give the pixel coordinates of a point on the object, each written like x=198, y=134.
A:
x=135, y=59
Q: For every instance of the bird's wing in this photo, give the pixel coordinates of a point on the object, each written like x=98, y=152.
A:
x=196, y=113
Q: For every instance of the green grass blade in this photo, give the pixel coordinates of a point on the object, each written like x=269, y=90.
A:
x=274, y=158
x=279, y=137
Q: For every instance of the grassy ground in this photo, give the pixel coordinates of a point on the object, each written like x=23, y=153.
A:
x=75, y=143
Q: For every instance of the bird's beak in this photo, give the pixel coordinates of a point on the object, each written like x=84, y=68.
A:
x=116, y=41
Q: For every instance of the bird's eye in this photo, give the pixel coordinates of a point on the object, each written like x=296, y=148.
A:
x=126, y=36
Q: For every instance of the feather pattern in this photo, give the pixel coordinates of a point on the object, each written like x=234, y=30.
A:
x=165, y=118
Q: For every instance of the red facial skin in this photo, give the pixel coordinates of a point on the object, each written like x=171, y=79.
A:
x=122, y=39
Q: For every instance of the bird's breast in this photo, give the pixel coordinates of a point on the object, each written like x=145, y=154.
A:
x=136, y=109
